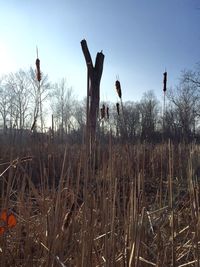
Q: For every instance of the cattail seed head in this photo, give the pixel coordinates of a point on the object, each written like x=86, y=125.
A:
x=117, y=105
x=38, y=72
x=103, y=111
x=107, y=112
x=165, y=82
x=37, y=64
x=118, y=88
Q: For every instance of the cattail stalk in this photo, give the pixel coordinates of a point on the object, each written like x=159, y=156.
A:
x=119, y=92
x=164, y=91
x=38, y=97
x=107, y=112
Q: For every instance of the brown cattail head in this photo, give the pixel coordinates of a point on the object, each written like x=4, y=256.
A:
x=37, y=64
x=107, y=112
x=38, y=72
x=103, y=111
x=117, y=105
x=118, y=88
x=165, y=82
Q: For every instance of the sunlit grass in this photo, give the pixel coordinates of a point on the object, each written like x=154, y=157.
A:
x=128, y=205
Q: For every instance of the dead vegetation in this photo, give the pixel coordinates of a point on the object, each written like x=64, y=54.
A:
x=127, y=205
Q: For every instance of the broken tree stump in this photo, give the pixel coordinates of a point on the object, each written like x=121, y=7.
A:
x=93, y=90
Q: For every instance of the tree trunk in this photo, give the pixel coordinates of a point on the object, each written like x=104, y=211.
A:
x=94, y=76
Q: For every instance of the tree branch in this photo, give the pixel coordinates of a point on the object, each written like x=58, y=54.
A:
x=87, y=56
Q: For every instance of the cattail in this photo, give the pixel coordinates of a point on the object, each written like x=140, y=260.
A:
x=103, y=111
x=38, y=72
x=117, y=105
x=165, y=82
x=118, y=88
x=107, y=112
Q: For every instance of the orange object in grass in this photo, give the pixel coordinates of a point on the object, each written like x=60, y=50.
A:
x=7, y=221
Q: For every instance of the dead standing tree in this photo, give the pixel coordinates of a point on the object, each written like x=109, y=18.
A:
x=93, y=90
x=94, y=74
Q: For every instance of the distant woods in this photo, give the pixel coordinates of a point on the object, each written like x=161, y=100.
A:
x=64, y=116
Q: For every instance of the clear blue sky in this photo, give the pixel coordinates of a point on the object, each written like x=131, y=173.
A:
x=140, y=38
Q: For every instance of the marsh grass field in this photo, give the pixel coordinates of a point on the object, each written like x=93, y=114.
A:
x=99, y=133
x=124, y=205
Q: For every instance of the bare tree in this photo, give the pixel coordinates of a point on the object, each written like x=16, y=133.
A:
x=185, y=99
x=63, y=102
x=131, y=113
x=4, y=103
x=18, y=89
x=192, y=76
x=171, y=127
x=93, y=89
x=149, y=111
x=80, y=113
x=132, y=118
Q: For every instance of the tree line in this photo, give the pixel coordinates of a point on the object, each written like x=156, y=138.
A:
x=23, y=98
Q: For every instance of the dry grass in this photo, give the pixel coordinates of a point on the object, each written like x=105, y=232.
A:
x=123, y=206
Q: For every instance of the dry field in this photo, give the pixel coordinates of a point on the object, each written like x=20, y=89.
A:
x=124, y=205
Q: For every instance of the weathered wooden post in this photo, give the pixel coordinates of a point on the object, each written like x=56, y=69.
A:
x=93, y=90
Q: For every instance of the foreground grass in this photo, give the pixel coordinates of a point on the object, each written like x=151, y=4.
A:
x=123, y=206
